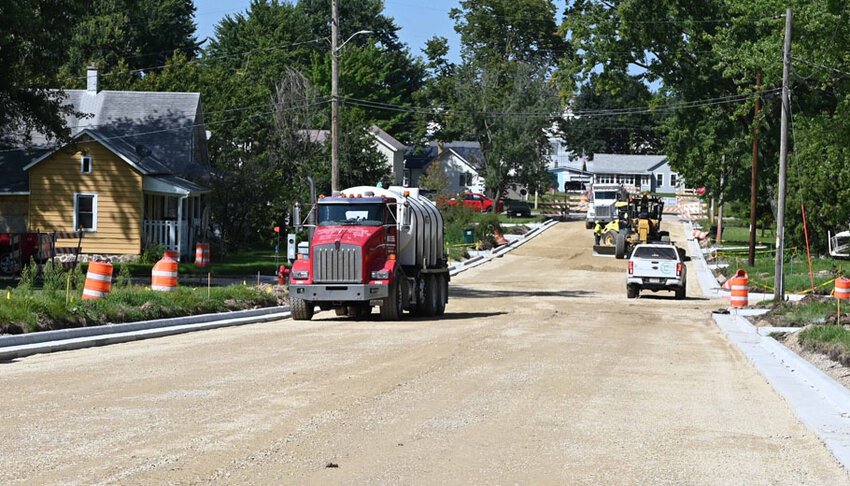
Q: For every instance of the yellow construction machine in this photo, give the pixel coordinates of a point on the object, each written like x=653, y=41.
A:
x=638, y=221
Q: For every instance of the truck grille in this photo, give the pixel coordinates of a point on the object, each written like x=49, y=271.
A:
x=337, y=265
x=603, y=211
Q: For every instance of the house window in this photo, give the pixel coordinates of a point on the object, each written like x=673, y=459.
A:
x=461, y=180
x=85, y=212
x=673, y=180
x=468, y=179
x=659, y=180
x=85, y=164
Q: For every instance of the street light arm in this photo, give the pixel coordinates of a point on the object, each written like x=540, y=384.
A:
x=352, y=36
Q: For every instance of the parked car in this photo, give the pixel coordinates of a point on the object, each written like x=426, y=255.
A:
x=474, y=200
x=657, y=266
x=519, y=209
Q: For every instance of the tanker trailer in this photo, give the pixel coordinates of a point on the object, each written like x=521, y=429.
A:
x=373, y=247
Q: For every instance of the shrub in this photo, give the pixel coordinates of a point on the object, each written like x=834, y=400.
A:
x=488, y=223
x=29, y=276
x=53, y=277
x=151, y=253
x=123, y=272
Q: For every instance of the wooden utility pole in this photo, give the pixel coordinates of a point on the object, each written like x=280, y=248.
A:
x=754, y=183
x=719, y=239
x=334, y=98
x=779, y=277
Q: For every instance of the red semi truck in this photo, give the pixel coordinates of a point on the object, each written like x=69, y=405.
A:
x=373, y=247
x=17, y=249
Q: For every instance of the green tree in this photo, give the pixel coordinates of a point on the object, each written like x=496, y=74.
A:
x=33, y=40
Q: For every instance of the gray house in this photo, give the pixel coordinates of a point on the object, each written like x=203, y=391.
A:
x=645, y=172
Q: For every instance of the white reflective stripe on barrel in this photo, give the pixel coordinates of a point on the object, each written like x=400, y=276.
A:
x=97, y=276
x=163, y=288
x=95, y=293
x=161, y=273
x=740, y=287
x=739, y=299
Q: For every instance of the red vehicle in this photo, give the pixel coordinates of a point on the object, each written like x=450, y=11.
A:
x=17, y=249
x=476, y=201
x=373, y=247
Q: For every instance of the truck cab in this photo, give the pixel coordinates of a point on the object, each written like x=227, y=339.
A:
x=657, y=266
x=372, y=247
x=602, y=205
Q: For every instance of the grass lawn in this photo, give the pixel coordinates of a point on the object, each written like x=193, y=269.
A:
x=242, y=263
x=796, y=274
x=793, y=314
x=39, y=310
x=831, y=339
x=740, y=236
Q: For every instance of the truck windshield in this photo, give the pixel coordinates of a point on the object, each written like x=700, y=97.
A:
x=351, y=214
x=605, y=195
x=658, y=252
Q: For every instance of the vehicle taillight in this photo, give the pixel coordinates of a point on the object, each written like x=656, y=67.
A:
x=631, y=268
x=678, y=269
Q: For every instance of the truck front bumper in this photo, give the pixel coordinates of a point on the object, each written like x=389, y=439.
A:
x=339, y=292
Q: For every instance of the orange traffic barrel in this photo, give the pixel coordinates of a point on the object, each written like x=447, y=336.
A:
x=164, y=275
x=202, y=254
x=98, y=281
x=842, y=288
x=740, y=289
x=171, y=254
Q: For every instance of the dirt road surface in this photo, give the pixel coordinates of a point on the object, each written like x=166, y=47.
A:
x=541, y=372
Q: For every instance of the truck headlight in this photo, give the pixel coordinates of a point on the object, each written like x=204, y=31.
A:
x=300, y=274
x=381, y=275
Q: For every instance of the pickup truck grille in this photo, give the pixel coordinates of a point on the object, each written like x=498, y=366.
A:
x=342, y=265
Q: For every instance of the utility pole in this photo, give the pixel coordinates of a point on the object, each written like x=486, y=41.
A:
x=719, y=239
x=334, y=98
x=754, y=183
x=779, y=277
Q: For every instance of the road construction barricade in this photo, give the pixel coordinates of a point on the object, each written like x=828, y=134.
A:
x=65, y=250
x=842, y=288
x=699, y=235
x=500, y=239
x=171, y=254
x=202, y=254
x=98, y=281
x=164, y=275
x=740, y=285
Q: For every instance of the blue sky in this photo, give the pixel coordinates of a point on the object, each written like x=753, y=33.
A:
x=419, y=21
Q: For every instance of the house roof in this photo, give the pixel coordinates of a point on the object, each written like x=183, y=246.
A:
x=624, y=164
x=469, y=152
x=161, y=133
x=387, y=139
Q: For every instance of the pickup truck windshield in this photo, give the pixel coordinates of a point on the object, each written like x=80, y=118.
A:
x=656, y=252
x=351, y=214
x=605, y=195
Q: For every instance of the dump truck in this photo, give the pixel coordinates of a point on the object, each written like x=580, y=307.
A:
x=373, y=247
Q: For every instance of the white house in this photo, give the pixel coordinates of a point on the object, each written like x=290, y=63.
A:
x=650, y=173
x=459, y=161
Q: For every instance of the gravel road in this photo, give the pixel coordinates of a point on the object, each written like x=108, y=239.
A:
x=541, y=372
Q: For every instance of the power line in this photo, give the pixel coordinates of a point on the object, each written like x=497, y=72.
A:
x=821, y=66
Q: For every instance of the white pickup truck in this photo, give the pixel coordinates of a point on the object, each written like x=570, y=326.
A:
x=657, y=266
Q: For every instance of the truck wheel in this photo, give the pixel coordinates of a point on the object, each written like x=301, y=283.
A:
x=360, y=312
x=301, y=309
x=620, y=246
x=393, y=306
x=632, y=291
x=443, y=285
x=432, y=296
x=680, y=293
x=588, y=225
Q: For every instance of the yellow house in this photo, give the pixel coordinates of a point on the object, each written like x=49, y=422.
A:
x=124, y=179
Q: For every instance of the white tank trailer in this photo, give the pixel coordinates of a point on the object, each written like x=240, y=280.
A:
x=399, y=265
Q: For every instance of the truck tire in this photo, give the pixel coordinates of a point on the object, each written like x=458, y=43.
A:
x=432, y=296
x=620, y=246
x=301, y=309
x=443, y=285
x=393, y=306
x=588, y=225
x=632, y=291
x=680, y=293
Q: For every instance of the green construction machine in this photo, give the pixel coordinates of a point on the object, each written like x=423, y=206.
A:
x=638, y=221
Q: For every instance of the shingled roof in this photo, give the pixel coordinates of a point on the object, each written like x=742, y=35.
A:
x=161, y=133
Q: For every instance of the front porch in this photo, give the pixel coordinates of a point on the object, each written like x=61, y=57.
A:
x=175, y=214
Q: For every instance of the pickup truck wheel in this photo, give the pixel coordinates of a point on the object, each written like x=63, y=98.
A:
x=680, y=293
x=443, y=294
x=393, y=305
x=301, y=309
x=632, y=291
x=619, y=246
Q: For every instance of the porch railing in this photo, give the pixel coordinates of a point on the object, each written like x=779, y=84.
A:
x=165, y=234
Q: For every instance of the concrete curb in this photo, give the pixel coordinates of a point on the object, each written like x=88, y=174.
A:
x=820, y=403
x=482, y=259
x=21, y=345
